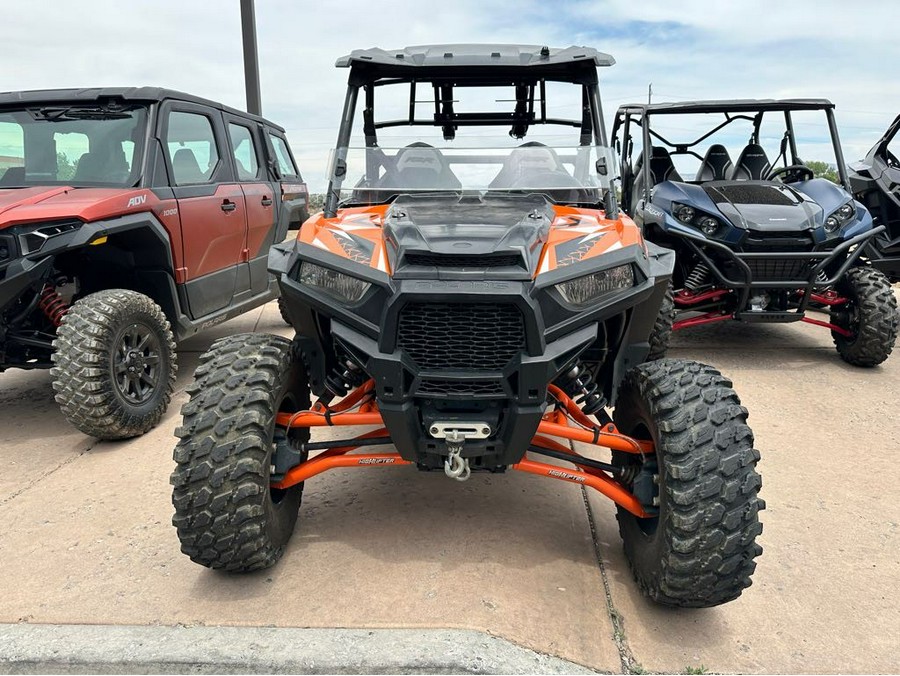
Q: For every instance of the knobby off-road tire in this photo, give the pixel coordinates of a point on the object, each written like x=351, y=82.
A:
x=699, y=551
x=226, y=514
x=114, y=358
x=871, y=315
x=282, y=308
x=662, y=329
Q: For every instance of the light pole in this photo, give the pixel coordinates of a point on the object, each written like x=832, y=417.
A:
x=251, y=58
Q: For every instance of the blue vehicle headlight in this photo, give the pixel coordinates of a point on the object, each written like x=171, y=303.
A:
x=683, y=213
x=336, y=283
x=840, y=217
x=709, y=225
x=584, y=290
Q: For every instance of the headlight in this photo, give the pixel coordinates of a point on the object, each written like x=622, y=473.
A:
x=336, y=283
x=840, y=217
x=683, y=213
x=585, y=289
x=708, y=225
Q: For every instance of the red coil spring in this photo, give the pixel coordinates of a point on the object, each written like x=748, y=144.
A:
x=53, y=305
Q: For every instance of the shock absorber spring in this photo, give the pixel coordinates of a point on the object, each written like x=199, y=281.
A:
x=343, y=379
x=697, y=278
x=52, y=304
x=628, y=473
x=579, y=385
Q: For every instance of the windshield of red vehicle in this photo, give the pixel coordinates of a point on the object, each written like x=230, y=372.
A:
x=78, y=145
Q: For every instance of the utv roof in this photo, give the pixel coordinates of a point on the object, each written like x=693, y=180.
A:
x=726, y=106
x=438, y=61
x=95, y=94
x=475, y=55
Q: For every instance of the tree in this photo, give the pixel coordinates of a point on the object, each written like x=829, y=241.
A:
x=65, y=168
x=824, y=170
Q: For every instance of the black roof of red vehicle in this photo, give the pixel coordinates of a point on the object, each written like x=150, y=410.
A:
x=95, y=94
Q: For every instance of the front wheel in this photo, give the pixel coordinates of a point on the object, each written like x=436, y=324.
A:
x=699, y=549
x=870, y=316
x=226, y=513
x=114, y=358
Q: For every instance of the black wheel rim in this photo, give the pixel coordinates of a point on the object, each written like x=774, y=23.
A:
x=649, y=525
x=137, y=364
x=281, y=435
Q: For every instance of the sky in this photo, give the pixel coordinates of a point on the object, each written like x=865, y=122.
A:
x=689, y=49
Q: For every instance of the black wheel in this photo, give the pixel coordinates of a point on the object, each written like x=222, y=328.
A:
x=282, y=308
x=699, y=550
x=114, y=358
x=226, y=513
x=662, y=329
x=870, y=316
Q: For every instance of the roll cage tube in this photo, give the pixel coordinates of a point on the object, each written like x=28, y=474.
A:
x=521, y=118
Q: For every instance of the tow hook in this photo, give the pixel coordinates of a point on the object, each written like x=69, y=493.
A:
x=455, y=434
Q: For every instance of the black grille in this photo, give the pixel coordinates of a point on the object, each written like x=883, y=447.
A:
x=777, y=241
x=779, y=269
x=460, y=387
x=453, y=336
x=459, y=261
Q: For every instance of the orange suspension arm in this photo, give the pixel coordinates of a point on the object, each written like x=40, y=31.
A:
x=600, y=483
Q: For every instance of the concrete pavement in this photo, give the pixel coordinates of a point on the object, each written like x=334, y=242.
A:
x=87, y=537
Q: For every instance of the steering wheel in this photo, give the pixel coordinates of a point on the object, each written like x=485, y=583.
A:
x=791, y=174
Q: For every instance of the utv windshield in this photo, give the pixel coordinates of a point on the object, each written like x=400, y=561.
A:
x=564, y=174
x=79, y=145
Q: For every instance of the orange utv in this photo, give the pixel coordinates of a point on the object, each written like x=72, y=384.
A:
x=473, y=290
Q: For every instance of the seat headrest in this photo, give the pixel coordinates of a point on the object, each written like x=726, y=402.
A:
x=752, y=164
x=186, y=167
x=716, y=166
x=661, y=166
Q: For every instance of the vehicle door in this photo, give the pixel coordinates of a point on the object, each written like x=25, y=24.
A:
x=211, y=205
x=246, y=144
x=294, y=197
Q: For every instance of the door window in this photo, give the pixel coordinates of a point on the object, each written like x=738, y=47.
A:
x=192, y=148
x=283, y=156
x=244, y=151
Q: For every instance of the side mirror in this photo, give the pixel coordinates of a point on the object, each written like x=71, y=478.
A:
x=601, y=166
x=340, y=168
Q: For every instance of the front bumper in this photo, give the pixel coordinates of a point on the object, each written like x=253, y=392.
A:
x=804, y=271
x=510, y=398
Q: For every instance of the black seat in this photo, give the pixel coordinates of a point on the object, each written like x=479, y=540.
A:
x=716, y=166
x=532, y=165
x=185, y=167
x=90, y=168
x=13, y=176
x=420, y=166
x=661, y=166
x=752, y=164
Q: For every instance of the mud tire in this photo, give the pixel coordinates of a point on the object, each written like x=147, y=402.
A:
x=872, y=316
x=85, y=357
x=226, y=514
x=662, y=328
x=700, y=550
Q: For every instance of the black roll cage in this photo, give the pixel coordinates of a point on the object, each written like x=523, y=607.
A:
x=530, y=90
x=733, y=111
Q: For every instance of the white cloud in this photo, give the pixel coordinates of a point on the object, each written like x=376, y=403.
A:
x=844, y=51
